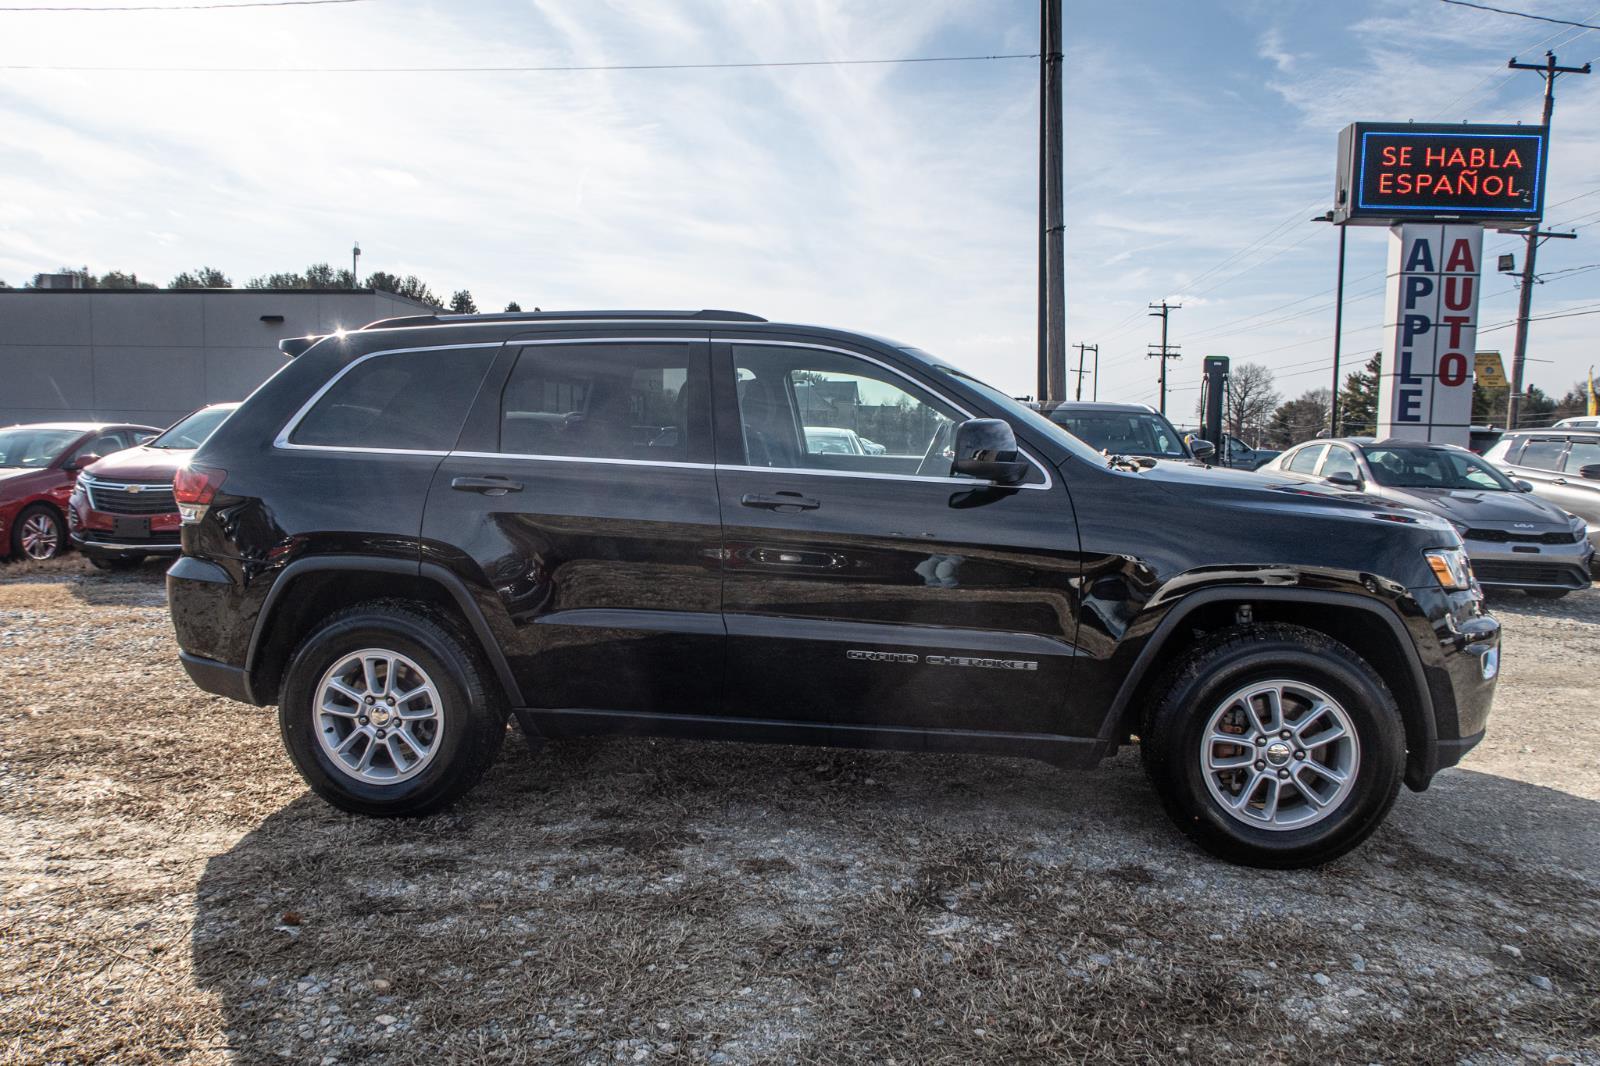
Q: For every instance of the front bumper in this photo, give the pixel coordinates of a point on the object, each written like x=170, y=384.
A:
x=1535, y=566
x=99, y=544
x=1461, y=666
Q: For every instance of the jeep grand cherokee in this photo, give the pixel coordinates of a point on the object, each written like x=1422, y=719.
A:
x=616, y=522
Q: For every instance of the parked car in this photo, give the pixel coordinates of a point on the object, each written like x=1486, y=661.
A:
x=1562, y=467
x=38, y=465
x=1119, y=428
x=381, y=543
x=1482, y=438
x=1515, y=540
x=1578, y=422
x=826, y=439
x=122, y=510
x=1239, y=455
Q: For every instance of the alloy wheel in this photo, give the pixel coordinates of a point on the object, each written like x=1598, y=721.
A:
x=379, y=717
x=1280, y=755
x=40, y=537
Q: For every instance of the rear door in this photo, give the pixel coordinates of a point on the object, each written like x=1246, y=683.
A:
x=1539, y=461
x=876, y=591
x=1570, y=489
x=582, y=503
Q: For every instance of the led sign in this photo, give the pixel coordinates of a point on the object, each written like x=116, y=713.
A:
x=1391, y=172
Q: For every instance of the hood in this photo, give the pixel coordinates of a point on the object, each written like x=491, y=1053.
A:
x=1484, y=508
x=13, y=478
x=1284, y=493
x=141, y=464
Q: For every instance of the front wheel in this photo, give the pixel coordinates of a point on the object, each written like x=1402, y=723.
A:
x=389, y=709
x=1275, y=746
x=38, y=534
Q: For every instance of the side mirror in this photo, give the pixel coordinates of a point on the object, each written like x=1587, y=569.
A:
x=987, y=448
x=1344, y=479
x=1203, y=450
x=1523, y=486
x=82, y=461
x=1591, y=472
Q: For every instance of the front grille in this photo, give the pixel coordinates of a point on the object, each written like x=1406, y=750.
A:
x=1529, y=573
x=1506, y=536
x=136, y=498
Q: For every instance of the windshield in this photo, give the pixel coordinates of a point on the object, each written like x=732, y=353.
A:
x=35, y=448
x=1021, y=412
x=1123, y=432
x=1433, y=468
x=193, y=431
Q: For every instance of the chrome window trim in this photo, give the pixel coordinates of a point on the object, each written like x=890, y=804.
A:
x=282, y=441
x=1044, y=471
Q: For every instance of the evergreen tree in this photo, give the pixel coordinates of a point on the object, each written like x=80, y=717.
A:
x=513, y=306
x=461, y=303
x=204, y=278
x=1358, y=400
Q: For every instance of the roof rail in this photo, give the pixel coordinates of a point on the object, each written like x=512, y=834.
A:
x=538, y=316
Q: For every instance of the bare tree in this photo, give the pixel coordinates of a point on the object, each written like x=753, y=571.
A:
x=1251, y=401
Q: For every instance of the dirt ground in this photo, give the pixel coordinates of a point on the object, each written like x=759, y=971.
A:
x=169, y=891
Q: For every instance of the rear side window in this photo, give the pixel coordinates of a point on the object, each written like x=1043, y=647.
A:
x=645, y=402
x=408, y=401
x=1305, y=460
x=1543, y=454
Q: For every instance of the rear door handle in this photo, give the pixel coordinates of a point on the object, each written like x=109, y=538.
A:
x=489, y=486
x=779, y=500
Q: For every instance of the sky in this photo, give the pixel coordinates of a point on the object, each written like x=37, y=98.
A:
x=895, y=199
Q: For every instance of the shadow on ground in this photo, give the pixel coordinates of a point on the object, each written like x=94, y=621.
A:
x=675, y=901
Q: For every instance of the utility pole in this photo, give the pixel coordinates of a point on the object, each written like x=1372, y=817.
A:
x=355, y=271
x=1096, y=374
x=1168, y=351
x=1095, y=348
x=1525, y=299
x=1052, y=282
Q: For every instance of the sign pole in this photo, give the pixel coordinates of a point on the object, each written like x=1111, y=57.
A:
x=1338, y=338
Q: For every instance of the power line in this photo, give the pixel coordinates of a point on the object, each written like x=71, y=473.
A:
x=515, y=69
x=1521, y=14
x=189, y=7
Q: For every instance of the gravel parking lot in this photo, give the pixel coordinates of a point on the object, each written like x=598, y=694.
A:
x=170, y=892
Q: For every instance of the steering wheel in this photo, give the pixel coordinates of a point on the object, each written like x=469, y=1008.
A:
x=935, y=463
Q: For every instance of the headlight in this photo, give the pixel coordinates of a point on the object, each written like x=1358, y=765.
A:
x=1451, y=567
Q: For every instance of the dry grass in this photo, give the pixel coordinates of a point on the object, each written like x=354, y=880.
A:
x=170, y=893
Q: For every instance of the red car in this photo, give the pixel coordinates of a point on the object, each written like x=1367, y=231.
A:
x=122, y=509
x=38, y=465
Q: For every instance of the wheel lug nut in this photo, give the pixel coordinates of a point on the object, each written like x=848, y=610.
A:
x=1260, y=741
x=1284, y=734
x=369, y=699
x=1300, y=755
x=362, y=719
x=1283, y=775
x=1260, y=765
x=380, y=734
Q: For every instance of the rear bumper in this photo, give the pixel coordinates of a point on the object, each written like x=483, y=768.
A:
x=218, y=678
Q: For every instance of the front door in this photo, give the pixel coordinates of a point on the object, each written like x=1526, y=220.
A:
x=865, y=588
x=587, y=503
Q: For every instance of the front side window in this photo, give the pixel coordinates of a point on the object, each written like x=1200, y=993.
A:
x=102, y=444
x=1305, y=460
x=1543, y=454
x=806, y=408
x=1339, y=461
x=643, y=402
x=406, y=401
x=1583, y=453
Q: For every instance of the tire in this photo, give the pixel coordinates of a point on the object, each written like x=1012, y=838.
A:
x=1546, y=594
x=116, y=562
x=429, y=651
x=1304, y=666
x=38, y=528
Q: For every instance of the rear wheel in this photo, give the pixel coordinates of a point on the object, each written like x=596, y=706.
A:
x=38, y=534
x=1275, y=746
x=388, y=709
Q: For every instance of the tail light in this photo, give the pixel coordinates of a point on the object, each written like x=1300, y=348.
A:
x=194, y=487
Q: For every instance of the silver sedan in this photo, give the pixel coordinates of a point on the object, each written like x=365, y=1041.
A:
x=1514, y=539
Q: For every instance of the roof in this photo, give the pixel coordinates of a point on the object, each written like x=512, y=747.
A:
x=542, y=316
x=76, y=427
x=1053, y=406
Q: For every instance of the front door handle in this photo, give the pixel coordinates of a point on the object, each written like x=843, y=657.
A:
x=778, y=501
x=1558, y=481
x=489, y=486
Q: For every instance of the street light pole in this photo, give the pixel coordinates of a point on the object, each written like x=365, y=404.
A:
x=355, y=270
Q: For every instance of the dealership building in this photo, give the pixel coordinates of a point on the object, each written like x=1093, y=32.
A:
x=154, y=355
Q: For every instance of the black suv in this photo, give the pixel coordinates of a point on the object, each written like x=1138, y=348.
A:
x=616, y=522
